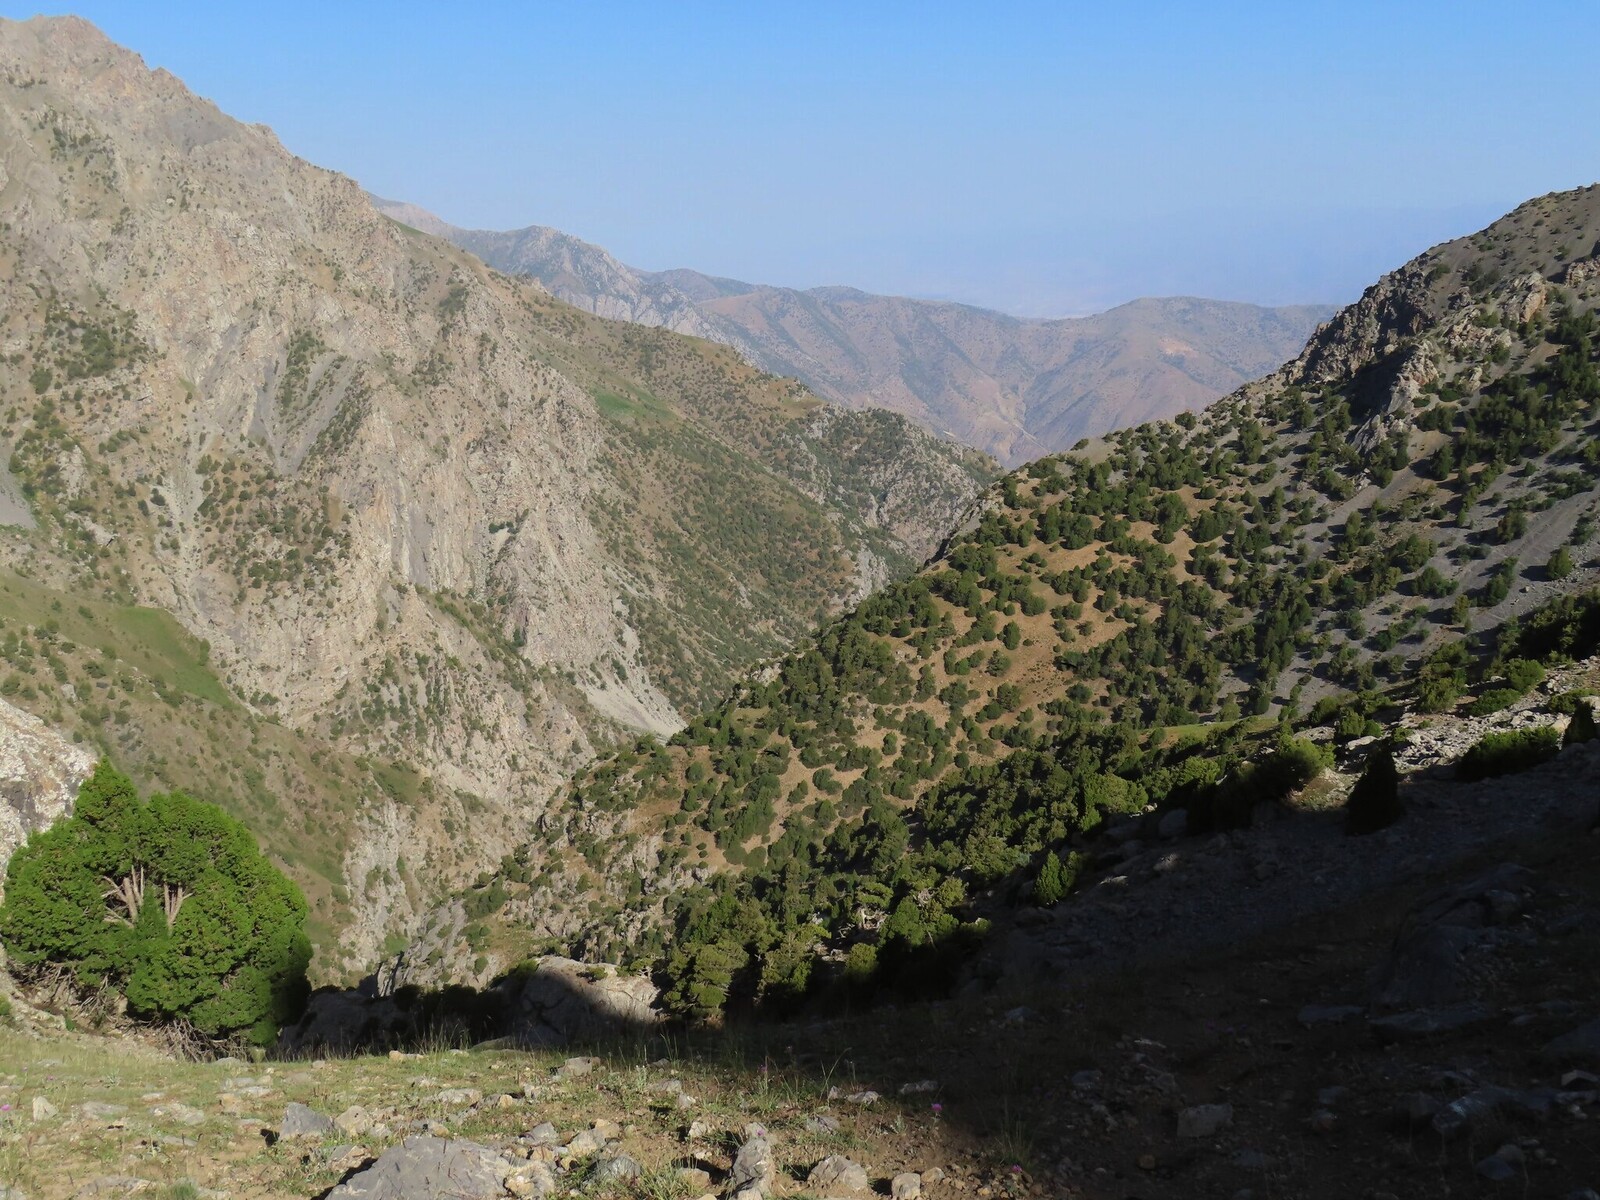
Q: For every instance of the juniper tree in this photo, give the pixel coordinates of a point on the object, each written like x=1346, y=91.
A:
x=169, y=901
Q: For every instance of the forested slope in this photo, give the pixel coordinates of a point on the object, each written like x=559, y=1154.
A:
x=1140, y=622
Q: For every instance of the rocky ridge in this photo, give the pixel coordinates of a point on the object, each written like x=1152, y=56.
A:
x=1015, y=388
x=427, y=516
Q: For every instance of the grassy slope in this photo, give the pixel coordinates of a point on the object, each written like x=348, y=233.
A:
x=132, y=683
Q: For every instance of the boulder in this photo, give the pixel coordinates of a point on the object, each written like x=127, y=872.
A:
x=424, y=1168
x=300, y=1121
x=754, y=1167
x=616, y=1168
x=575, y=1000
x=836, y=1173
x=1581, y=1045
x=1425, y=1023
x=1427, y=963
x=531, y=1181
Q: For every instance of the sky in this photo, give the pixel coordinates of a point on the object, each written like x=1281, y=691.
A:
x=1046, y=159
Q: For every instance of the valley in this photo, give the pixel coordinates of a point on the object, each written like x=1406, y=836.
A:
x=711, y=739
x=1015, y=388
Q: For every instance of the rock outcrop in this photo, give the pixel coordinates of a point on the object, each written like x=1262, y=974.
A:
x=39, y=776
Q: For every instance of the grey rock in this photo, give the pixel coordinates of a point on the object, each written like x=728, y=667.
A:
x=821, y=1124
x=906, y=1186
x=346, y=1158
x=542, y=1134
x=919, y=1087
x=1475, y=1109
x=580, y=1001
x=39, y=775
x=838, y=1173
x=1496, y=1169
x=1581, y=1045
x=1204, y=1120
x=615, y=1168
x=1426, y=965
x=458, y=1097
x=97, y=1110
x=589, y=1141
x=754, y=1168
x=300, y=1121
x=353, y=1121
x=1173, y=825
x=531, y=1181
x=575, y=1068
x=1425, y=1023
x=43, y=1110
x=425, y=1168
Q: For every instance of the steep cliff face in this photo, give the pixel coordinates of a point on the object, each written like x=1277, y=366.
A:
x=411, y=506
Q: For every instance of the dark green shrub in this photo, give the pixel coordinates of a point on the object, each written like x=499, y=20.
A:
x=1493, y=701
x=1055, y=879
x=1523, y=674
x=1582, y=726
x=1374, y=802
x=1507, y=753
x=169, y=901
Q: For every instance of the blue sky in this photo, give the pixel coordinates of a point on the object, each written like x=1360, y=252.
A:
x=1045, y=159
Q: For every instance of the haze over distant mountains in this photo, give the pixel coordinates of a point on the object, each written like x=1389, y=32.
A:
x=1013, y=387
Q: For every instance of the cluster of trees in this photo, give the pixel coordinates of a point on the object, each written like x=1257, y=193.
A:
x=903, y=764
x=169, y=902
x=882, y=901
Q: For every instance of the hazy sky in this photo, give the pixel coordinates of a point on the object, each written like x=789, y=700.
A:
x=1046, y=159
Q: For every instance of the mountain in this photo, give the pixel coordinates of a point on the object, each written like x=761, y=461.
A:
x=1014, y=388
x=1396, y=535
x=318, y=516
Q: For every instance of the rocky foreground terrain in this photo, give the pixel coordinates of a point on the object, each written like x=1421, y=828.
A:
x=1013, y=387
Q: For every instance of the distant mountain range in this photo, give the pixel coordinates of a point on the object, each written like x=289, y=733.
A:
x=1014, y=388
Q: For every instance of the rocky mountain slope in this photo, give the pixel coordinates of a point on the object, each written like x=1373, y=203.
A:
x=1014, y=388
x=1403, y=520
x=427, y=532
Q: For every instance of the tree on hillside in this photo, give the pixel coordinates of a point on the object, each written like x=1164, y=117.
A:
x=1582, y=727
x=169, y=901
